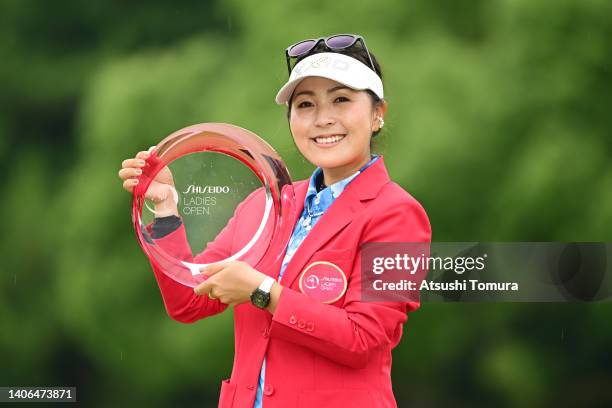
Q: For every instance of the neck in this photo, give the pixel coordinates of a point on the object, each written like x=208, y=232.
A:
x=333, y=175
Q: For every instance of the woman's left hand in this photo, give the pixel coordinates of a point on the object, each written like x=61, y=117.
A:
x=231, y=282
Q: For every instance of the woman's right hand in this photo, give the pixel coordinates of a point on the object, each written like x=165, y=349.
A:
x=161, y=190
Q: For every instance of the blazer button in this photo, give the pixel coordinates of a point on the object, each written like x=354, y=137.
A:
x=292, y=320
x=266, y=333
x=301, y=324
x=268, y=390
x=310, y=327
x=250, y=387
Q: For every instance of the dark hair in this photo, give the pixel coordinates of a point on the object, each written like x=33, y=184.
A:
x=359, y=54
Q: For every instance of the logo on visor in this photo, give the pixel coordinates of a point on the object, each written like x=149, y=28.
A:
x=319, y=62
x=323, y=61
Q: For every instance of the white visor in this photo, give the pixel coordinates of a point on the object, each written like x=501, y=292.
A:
x=337, y=67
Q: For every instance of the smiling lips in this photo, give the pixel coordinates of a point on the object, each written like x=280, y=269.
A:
x=328, y=140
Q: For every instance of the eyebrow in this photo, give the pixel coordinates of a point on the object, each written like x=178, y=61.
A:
x=330, y=90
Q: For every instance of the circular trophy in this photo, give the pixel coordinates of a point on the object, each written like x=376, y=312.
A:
x=212, y=192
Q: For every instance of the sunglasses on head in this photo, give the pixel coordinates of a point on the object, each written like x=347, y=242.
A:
x=335, y=42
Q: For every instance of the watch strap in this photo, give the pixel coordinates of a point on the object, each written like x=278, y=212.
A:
x=267, y=283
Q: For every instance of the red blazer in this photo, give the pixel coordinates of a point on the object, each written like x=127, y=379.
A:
x=317, y=355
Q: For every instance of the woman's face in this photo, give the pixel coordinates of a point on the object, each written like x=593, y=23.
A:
x=332, y=124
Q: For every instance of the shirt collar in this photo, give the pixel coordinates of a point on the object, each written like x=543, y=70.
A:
x=335, y=189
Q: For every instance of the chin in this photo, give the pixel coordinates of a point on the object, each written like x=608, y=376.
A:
x=328, y=162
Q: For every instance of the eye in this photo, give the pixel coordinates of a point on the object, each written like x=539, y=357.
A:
x=304, y=104
x=341, y=99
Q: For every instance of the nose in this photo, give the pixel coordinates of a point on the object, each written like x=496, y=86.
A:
x=324, y=117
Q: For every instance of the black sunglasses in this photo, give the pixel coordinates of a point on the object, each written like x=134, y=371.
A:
x=334, y=43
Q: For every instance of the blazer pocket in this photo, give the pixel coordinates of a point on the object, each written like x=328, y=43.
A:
x=332, y=254
x=226, y=397
x=340, y=397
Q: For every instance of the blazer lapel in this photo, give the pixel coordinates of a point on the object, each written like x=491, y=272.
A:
x=346, y=207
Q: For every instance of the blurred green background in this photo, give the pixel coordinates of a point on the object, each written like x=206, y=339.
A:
x=499, y=124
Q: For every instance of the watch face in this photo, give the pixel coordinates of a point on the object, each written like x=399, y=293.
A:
x=260, y=298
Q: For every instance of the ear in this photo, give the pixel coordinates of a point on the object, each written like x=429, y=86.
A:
x=379, y=112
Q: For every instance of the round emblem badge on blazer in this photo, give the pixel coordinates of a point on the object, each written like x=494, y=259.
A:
x=323, y=281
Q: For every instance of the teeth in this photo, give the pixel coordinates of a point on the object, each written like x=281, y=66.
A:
x=329, y=139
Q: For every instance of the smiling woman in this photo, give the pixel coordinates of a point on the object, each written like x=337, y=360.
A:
x=332, y=126
x=303, y=334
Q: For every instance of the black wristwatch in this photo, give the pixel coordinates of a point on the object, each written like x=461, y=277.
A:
x=261, y=296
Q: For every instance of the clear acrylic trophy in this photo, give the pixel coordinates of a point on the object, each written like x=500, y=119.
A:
x=232, y=194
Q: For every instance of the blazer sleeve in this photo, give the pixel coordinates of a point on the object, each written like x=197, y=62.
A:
x=346, y=335
x=180, y=301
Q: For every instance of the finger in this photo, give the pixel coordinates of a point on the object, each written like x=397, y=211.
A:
x=203, y=288
x=214, y=268
x=129, y=172
x=136, y=163
x=211, y=295
x=143, y=154
x=150, y=149
x=129, y=184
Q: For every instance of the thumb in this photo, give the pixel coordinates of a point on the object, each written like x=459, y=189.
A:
x=213, y=268
x=202, y=288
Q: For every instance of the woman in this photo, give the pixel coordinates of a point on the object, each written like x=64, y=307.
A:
x=292, y=349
